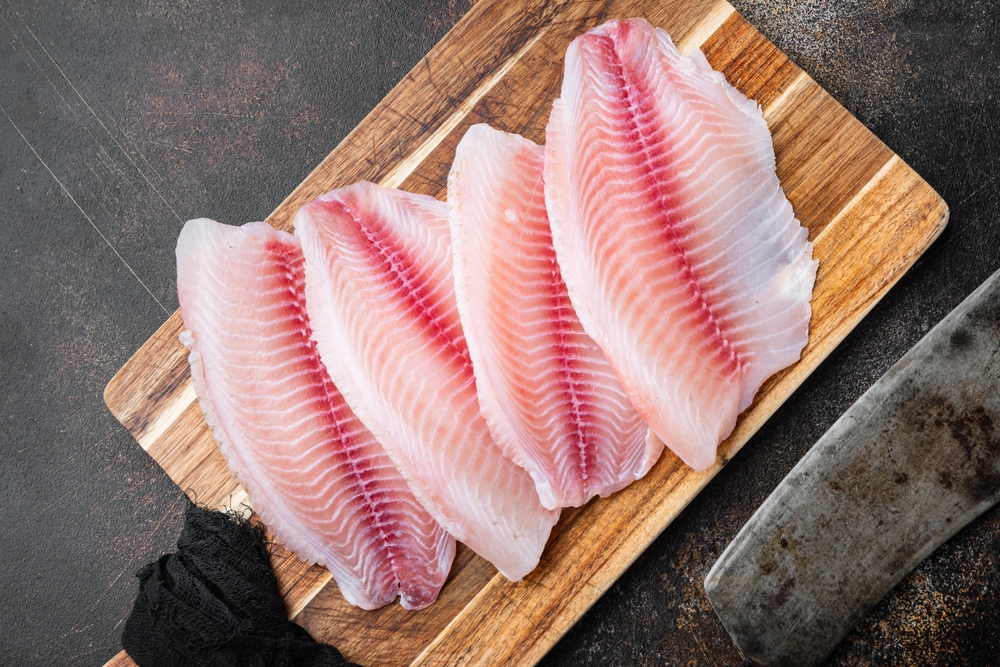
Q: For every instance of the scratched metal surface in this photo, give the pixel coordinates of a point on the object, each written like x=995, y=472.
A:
x=120, y=119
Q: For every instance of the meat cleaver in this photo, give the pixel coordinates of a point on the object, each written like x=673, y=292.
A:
x=908, y=465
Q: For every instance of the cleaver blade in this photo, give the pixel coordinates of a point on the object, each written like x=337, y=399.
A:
x=915, y=459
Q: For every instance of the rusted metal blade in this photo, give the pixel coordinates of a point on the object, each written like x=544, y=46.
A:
x=908, y=465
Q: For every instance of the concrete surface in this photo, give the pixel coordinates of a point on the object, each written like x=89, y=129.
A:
x=119, y=120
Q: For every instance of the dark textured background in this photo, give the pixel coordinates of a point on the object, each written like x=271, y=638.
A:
x=121, y=119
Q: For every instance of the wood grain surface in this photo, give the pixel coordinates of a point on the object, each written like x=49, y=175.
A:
x=868, y=214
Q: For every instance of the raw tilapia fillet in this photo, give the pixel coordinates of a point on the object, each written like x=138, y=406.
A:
x=550, y=397
x=382, y=302
x=680, y=250
x=318, y=478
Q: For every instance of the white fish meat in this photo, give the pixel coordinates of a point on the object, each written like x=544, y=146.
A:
x=550, y=397
x=682, y=254
x=381, y=299
x=320, y=481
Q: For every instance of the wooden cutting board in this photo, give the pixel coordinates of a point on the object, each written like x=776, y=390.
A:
x=868, y=214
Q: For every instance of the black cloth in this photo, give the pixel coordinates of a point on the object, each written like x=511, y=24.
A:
x=215, y=603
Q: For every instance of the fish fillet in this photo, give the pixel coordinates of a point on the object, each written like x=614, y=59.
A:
x=550, y=397
x=320, y=481
x=382, y=302
x=682, y=254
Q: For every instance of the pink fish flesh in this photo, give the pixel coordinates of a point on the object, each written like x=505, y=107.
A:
x=320, y=481
x=381, y=298
x=682, y=254
x=550, y=397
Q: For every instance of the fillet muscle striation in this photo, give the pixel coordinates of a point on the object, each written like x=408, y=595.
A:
x=550, y=397
x=321, y=482
x=381, y=295
x=681, y=252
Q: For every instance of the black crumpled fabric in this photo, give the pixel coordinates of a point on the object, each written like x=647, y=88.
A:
x=215, y=603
